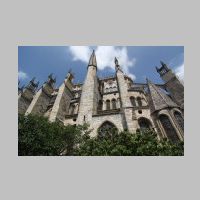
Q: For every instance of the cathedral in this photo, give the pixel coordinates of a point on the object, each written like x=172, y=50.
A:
x=110, y=102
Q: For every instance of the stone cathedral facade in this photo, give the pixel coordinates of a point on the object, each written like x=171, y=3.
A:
x=109, y=102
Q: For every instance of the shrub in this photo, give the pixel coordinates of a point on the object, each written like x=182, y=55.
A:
x=38, y=137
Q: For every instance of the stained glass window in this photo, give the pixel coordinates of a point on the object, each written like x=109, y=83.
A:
x=107, y=129
x=179, y=119
x=168, y=127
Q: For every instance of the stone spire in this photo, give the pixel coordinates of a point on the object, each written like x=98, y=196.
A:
x=117, y=66
x=92, y=61
x=158, y=98
x=90, y=93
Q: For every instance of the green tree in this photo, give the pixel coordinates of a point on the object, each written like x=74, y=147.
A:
x=127, y=144
x=38, y=137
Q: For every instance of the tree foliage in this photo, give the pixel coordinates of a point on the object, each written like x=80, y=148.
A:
x=38, y=137
x=128, y=144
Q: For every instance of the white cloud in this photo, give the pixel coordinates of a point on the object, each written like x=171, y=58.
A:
x=178, y=65
x=81, y=53
x=180, y=72
x=105, y=57
x=22, y=75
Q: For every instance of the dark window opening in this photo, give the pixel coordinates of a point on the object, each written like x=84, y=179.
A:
x=114, y=106
x=132, y=99
x=107, y=129
x=168, y=127
x=72, y=109
x=108, y=105
x=139, y=100
x=179, y=119
x=144, y=124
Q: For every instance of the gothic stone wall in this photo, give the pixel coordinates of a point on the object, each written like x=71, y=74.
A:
x=23, y=104
x=61, y=105
x=39, y=103
x=98, y=120
x=176, y=90
x=111, y=96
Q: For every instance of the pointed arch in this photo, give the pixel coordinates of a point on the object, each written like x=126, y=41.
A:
x=133, y=102
x=107, y=128
x=114, y=105
x=168, y=128
x=108, y=104
x=144, y=123
x=139, y=101
x=179, y=119
x=72, y=109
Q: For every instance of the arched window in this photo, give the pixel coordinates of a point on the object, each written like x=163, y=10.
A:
x=179, y=119
x=100, y=105
x=168, y=127
x=144, y=123
x=132, y=99
x=72, y=109
x=107, y=104
x=76, y=109
x=139, y=100
x=107, y=129
x=114, y=106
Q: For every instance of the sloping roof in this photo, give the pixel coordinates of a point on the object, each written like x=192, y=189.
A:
x=158, y=98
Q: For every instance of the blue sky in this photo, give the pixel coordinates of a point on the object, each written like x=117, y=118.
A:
x=138, y=62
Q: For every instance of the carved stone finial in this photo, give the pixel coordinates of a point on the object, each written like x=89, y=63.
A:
x=33, y=80
x=162, y=63
x=116, y=62
x=92, y=61
x=157, y=69
x=50, y=76
x=70, y=71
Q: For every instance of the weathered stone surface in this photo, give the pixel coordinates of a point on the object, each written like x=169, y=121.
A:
x=158, y=99
x=172, y=84
x=107, y=100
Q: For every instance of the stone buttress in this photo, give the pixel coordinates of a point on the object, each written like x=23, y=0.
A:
x=62, y=102
x=42, y=98
x=25, y=96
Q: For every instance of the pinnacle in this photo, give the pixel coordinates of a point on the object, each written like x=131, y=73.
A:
x=92, y=61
